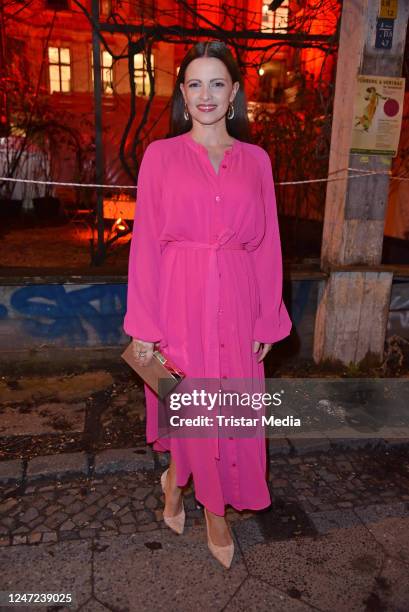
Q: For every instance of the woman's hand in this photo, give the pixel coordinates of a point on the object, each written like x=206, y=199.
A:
x=266, y=348
x=146, y=348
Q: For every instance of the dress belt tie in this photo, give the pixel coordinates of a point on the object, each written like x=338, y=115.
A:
x=212, y=301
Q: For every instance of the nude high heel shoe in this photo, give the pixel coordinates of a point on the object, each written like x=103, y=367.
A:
x=224, y=554
x=176, y=523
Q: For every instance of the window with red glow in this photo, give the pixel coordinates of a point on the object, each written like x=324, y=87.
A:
x=274, y=21
x=59, y=69
x=107, y=72
x=142, y=84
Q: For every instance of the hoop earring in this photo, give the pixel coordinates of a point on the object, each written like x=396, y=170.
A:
x=230, y=113
x=186, y=113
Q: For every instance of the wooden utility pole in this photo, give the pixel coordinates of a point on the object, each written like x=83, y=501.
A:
x=353, y=307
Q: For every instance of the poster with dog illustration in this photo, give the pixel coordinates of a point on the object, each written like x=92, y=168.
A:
x=377, y=117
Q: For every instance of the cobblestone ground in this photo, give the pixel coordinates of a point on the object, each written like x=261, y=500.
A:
x=301, y=487
x=335, y=538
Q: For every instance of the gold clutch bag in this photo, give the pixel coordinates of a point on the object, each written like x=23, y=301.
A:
x=161, y=374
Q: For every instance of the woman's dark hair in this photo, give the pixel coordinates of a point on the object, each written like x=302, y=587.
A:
x=238, y=127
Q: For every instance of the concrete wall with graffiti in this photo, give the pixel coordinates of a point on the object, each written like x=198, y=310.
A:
x=91, y=315
x=62, y=315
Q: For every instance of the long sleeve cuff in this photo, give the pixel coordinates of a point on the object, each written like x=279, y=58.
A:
x=146, y=331
x=271, y=329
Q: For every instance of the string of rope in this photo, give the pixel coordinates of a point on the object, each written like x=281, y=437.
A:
x=327, y=179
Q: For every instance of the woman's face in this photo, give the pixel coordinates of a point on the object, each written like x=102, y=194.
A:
x=208, y=90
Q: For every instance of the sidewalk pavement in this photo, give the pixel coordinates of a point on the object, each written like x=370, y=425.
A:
x=336, y=537
x=87, y=520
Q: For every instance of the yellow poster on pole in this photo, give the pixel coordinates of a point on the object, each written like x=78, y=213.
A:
x=377, y=119
x=388, y=9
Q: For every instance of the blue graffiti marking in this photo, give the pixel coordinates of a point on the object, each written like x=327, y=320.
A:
x=67, y=310
x=3, y=312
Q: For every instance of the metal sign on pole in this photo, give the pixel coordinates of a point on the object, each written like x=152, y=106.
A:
x=384, y=33
x=388, y=12
x=388, y=9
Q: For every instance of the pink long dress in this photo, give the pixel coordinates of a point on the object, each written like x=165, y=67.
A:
x=205, y=281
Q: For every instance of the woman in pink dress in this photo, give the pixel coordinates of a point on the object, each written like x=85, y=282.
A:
x=205, y=279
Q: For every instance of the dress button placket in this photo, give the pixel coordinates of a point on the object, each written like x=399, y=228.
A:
x=230, y=444
x=234, y=471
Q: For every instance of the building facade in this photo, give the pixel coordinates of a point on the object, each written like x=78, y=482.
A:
x=48, y=43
